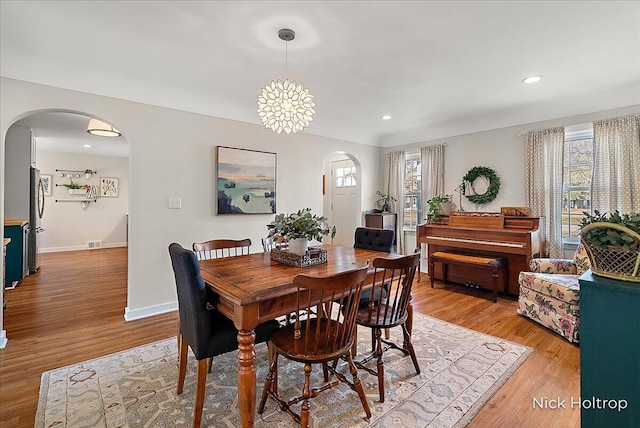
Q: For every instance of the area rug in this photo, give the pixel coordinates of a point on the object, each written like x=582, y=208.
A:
x=461, y=370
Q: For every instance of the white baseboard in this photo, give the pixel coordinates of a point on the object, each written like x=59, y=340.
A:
x=80, y=247
x=3, y=339
x=149, y=311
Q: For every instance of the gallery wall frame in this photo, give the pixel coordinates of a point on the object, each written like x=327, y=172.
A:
x=47, y=182
x=109, y=187
x=245, y=181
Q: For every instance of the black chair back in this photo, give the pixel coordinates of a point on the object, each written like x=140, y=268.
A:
x=374, y=239
x=195, y=320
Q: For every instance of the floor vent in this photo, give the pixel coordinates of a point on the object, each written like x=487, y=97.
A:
x=94, y=244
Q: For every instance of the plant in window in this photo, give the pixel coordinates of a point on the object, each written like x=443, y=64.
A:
x=385, y=200
x=434, y=205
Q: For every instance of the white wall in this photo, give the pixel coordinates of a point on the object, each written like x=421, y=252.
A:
x=173, y=154
x=67, y=225
x=503, y=150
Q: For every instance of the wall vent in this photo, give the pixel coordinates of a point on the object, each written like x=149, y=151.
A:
x=94, y=244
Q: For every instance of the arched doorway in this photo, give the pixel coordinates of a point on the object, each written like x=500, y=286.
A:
x=55, y=145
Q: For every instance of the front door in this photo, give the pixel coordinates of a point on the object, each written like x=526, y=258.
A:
x=345, y=191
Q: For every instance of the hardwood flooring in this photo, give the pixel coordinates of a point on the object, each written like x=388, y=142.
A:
x=73, y=310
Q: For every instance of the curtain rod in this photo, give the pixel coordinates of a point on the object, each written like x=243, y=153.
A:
x=598, y=120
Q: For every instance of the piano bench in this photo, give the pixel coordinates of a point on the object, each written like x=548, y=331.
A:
x=495, y=265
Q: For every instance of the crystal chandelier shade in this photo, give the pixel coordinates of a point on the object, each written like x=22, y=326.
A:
x=285, y=106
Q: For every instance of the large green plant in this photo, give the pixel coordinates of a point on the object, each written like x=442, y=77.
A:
x=604, y=237
x=301, y=224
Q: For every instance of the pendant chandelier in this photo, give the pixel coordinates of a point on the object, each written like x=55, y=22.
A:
x=285, y=106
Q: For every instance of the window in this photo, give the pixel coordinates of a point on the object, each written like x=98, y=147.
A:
x=346, y=177
x=412, y=190
x=576, y=181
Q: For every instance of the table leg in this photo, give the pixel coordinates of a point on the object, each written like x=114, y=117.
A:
x=246, y=377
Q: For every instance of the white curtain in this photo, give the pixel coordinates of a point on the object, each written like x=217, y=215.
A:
x=432, y=166
x=616, y=165
x=394, y=181
x=543, y=182
x=432, y=162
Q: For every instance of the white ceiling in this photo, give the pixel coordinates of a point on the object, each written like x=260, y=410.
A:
x=439, y=68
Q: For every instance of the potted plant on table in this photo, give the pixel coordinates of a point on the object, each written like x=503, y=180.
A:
x=384, y=201
x=299, y=228
x=438, y=206
x=612, y=242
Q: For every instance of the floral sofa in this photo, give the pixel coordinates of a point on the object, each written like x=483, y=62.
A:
x=550, y=293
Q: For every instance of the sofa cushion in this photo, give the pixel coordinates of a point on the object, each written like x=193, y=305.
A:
x=565, y=288
x=561, y=317
x=581, y=259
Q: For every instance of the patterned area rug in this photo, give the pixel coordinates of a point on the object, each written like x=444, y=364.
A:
x=461, y=370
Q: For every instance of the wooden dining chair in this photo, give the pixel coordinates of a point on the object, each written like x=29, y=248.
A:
x=217, y=248
x=272, y=242
x=370, y=238
x=206, y=331
x=389, y=310
x=318, y=340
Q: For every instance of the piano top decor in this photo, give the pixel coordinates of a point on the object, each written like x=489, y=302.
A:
x=491, y=192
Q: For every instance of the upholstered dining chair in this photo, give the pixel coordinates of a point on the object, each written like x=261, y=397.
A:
x=217, y=248
x=318, y=340
x=389, y=309
x=206, y=331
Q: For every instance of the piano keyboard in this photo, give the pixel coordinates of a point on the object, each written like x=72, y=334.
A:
x=478, y=241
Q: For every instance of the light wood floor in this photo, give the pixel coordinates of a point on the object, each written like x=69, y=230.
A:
x=73, y=310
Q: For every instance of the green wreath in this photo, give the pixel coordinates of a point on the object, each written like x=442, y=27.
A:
x=492, y=190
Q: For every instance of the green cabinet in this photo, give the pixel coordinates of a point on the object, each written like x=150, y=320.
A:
x=609, y=352
x=16, y=257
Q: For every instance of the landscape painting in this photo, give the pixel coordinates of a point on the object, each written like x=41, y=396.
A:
x=246, y=181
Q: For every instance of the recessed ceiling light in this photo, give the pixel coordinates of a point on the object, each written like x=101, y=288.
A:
x=87, y=145
x=386, y=117
x=532, y=79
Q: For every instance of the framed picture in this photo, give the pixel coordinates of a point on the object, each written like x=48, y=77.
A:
x=46, y=183
x=108, y=187
x=246, y=181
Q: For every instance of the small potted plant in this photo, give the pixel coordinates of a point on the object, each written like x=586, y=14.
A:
x=612, y=242
x=88, y=173
x=75, y=188
x=438, y=206
x=384, y=201
x=299, y=228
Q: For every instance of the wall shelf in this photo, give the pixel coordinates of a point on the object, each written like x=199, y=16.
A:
x=77, y=200
x=73, y=173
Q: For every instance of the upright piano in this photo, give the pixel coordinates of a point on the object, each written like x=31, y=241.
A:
x=517, y=239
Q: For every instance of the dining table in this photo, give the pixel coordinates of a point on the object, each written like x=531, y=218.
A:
x=251, y=289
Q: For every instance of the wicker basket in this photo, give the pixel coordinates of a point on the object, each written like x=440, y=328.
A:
x=613, y=262
x=313, y=256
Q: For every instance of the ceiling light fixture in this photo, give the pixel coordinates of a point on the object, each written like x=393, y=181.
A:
x=285, y=106
x=386, y=117
x=87, y=145
x=101, y=129
x=532, y=79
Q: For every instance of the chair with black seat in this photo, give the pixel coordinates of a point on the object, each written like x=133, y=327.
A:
x=318, y=340
x=217, y=248
x=390, y=310
x=370, y=238
x=206, y=331
x=374, y=239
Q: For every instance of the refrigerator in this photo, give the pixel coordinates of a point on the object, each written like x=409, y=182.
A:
x=36, y=209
